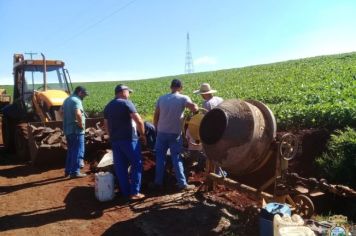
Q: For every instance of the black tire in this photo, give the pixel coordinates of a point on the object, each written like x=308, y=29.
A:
x=8, y=137
x=21, y=142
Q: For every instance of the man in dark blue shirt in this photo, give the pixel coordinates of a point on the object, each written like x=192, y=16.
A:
x=122, y=122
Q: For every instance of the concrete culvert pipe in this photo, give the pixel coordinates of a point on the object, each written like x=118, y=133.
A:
x=238, y=134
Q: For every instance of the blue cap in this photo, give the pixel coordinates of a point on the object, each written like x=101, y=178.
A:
x=122, y=87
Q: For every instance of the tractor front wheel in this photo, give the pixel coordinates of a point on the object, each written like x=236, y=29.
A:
x=21, y=142
x=7, y=130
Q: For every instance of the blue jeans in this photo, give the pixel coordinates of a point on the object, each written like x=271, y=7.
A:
x=128, y=153
x=174, y=143
x=81, y=150
x=73, y=153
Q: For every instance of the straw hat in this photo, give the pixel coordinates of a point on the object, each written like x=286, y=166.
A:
x=205, y=89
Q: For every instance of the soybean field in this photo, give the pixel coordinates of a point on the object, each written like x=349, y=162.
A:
x=305, y=93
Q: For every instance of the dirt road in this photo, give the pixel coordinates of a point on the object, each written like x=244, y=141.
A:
x=43, y=202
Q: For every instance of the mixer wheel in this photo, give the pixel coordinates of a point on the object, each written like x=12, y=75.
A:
x=288, y=146
x=303, y=206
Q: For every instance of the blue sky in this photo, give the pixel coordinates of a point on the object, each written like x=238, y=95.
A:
x=103, y=40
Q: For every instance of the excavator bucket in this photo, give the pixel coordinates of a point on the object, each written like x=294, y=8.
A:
x=46, y=143
x=48, y=146
x=95, y=137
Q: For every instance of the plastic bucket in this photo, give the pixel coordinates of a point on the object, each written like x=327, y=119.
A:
x=267, y=214
x=296, y=231
x=104, y=186
x=286, y=221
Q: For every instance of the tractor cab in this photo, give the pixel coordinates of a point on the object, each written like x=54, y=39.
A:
x=32, y=124
x=40, y=87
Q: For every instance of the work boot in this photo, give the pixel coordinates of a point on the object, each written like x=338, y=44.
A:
x=187, y=187
x=79, y=175
x=137, y=197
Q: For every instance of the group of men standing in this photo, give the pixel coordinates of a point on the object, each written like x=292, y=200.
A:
x=125, y=128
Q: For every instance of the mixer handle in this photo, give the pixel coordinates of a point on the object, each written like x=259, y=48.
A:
x=201, y=110
x=288, y=146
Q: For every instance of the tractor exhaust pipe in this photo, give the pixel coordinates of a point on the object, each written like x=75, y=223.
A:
x=44, y=72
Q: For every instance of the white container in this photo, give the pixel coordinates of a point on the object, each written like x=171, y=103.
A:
x=280, y=222
x=295, y=231
x=104, y=186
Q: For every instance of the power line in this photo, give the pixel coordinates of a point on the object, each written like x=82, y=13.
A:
x=96, y=23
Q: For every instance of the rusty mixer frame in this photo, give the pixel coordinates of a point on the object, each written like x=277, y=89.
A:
x=241, y=137
x=283, y=150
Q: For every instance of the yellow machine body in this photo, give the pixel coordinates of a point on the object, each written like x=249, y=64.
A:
x=194, y=125
x=51, y=97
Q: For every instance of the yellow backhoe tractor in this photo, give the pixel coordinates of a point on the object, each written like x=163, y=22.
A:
x=40, y=88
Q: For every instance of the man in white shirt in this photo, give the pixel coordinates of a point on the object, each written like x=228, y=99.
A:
x=210, y=101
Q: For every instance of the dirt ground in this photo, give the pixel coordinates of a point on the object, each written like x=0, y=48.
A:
x=42, y=202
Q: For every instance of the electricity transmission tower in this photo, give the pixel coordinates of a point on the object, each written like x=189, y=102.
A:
x=189, y=68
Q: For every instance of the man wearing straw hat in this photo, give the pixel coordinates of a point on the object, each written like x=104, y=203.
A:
x=210, y=101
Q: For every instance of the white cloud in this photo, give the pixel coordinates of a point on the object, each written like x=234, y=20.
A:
x=108, y=76
x=324, y=41
x=206, y=60
x=98, y=76
x=6, y=80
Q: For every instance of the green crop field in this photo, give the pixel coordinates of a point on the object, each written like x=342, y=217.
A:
x=312, y=92
x=305, y=93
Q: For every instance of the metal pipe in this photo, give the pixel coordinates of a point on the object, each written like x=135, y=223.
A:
x=44, y=72
x=69, y=81
x=238, y=186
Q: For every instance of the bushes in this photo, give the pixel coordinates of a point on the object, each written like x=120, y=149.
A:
x=338, y=163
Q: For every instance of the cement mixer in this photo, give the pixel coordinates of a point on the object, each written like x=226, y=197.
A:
x=237, y=135
x=241, y=137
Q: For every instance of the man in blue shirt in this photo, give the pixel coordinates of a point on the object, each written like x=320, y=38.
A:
x=74, y=129
x=168, y=120
x=122, y=122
